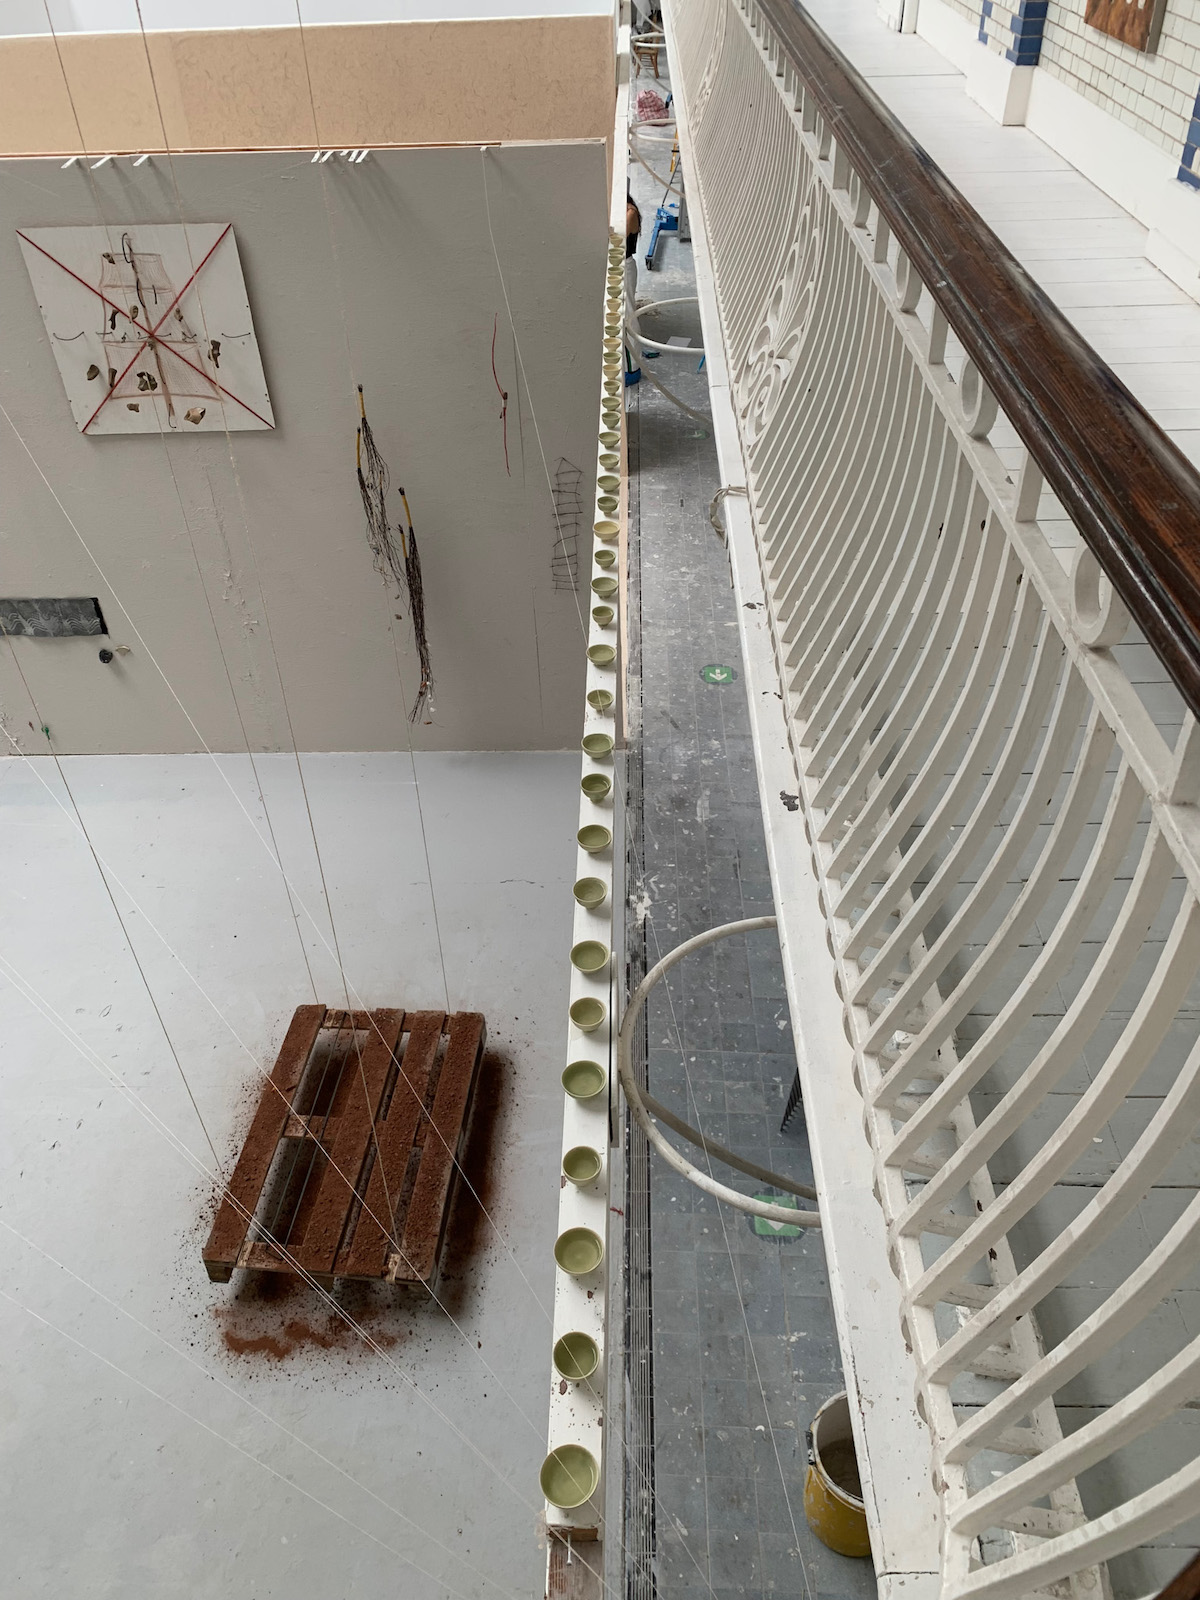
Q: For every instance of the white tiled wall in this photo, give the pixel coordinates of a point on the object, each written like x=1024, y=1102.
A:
x=1152, y=93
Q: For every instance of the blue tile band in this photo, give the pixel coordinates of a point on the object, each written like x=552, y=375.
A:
x=1191, y=145
x=1028, y=25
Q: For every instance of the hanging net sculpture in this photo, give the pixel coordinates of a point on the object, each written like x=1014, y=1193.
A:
x=568, y=512
x=373, y=483
x=416, y=605
x=396, y=558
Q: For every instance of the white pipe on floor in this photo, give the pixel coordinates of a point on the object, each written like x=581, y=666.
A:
x=637, y=1104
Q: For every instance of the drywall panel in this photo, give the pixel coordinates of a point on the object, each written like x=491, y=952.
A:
x=439, y=82
x=235, y=568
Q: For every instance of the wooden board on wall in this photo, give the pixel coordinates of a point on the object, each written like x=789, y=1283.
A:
x=1133, y=22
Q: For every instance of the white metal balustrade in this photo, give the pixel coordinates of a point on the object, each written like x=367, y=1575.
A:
x=1007, y=848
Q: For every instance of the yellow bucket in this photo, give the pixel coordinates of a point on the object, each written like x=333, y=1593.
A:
x=832, y=1488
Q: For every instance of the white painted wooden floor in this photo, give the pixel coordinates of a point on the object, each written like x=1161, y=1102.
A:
x=1084, y=249
x=141, y=1455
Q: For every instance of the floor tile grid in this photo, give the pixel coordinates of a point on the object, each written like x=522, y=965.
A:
x=745, y=1348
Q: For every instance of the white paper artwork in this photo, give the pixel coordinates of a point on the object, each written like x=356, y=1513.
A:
x=150, y=326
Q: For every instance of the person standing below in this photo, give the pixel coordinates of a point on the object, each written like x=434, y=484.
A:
x=633, y=230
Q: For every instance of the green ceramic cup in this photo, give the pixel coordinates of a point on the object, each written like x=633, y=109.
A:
x=610, y=460
x=601, y=699
x=596, y=785
x=605, y=587
x=587, y=1014
x=597, y=745
x=607, y=531
x=608, y=503
x=583, y=1080
x=579, y=1251
x=590, y=892
x=606, y=558
x=589, y=955
x=576, y=1356
x=582, y=1164
x=594, y=837
x=602, y=616
x=601, y=655
x=569, y=1476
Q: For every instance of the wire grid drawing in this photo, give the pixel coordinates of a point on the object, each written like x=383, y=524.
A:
x=568, y=510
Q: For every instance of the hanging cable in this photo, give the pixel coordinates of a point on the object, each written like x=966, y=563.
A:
x=503, y=393
x=295, y=1438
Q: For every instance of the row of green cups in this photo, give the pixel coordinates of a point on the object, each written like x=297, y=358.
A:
x=570, y=1473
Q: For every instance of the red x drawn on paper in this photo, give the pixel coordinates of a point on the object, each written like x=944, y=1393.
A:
x=148, y=338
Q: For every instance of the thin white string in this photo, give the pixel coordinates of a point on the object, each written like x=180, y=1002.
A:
x=163, y=675
x=274, y=856
x=345, y=336
x=337, y=952
x=104, y=867
x=329, y=908
x=114, y=1079
x=416, y=784
x=150, y=995
x=353, y=994
x=232, y=1443
x=338, y=274
x=245, y=1400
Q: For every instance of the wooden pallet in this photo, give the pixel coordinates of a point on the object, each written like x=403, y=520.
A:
x=347, y=1169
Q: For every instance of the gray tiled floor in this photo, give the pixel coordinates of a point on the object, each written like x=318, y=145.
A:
x=744, y=1343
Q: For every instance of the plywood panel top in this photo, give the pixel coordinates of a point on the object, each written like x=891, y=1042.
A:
x=509, y=79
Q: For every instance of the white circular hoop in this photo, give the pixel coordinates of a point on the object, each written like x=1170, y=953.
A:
x=1099, y=613
x=641, y=1111
x=634, y=324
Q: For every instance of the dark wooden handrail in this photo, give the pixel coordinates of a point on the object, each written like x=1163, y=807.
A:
x=1133, y=496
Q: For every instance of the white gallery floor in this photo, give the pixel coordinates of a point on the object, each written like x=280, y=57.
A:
x=165, y=1436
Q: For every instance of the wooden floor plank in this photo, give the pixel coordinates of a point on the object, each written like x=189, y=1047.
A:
x=371, y=1246
x=425, y=1220
x=356, y=1105
x=232, y=1221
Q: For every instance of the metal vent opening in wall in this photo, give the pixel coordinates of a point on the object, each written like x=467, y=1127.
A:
x=51, y=619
